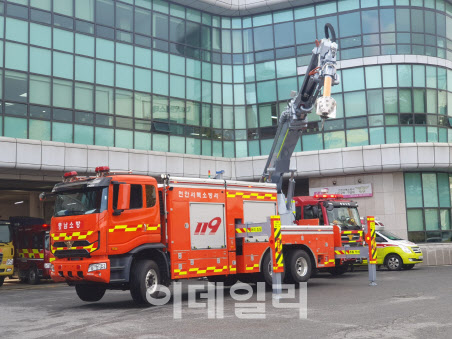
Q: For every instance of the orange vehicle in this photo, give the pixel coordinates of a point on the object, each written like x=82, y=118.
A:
x=124, y=231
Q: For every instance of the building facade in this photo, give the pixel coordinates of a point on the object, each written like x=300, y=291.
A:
x=190, y=86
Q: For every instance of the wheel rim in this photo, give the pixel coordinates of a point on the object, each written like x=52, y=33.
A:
x=301, y=266
x=393, y=263
x=32, y=275
x=270, y=268
x=151, y=281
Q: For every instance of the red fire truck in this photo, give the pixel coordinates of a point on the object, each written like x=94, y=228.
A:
x=124, y=231
x=32, y=249
x=332, y=209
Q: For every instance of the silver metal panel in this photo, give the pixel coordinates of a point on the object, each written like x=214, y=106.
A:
x=258, y=211
x=207, y=226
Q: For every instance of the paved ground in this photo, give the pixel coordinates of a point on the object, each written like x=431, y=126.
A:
x=407, y=304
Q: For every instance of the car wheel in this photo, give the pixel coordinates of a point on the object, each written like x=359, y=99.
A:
x=394, y=262
x=408, y=266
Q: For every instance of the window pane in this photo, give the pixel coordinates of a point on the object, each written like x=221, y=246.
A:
x=443, y=189
x=390, y=101
x=84, y=96
x=445, y=219
x=63, y=7
x=431, y=219
x=413, y=190
x=105, y=13
x=61, y=132
x=349, y=24
x=84, y=9
x=430, y=189
x=353, y=79
x=284, y=34
x=262, y=38
x=16, y=56
x=15, y=86
x=334, y=140
x=39, y=130
x=62, y=93
x=355, y=104
x=104, y=99
x=415, y=220
x=15, y=128
x=39, y=90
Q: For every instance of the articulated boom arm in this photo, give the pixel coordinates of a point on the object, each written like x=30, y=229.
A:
x=321, y=72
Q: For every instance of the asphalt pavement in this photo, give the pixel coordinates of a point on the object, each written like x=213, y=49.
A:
x=406, y=304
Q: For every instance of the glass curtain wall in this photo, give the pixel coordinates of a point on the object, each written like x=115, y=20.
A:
x=155, y=75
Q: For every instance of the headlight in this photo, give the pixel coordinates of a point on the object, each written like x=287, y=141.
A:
x=9, y=261
x=47, y=265
x=97, y=267
x=405, y=249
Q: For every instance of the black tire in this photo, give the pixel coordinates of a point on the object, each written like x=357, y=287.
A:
x=2, y=279
x=299, y=266
x=140, y=280
x=227, y=280
x=33, y=276
x=394, y=262
x=338, y=270
x=408, y=266
x=91, y=292
x=267, y=270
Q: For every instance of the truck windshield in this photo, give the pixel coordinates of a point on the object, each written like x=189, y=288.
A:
x=82, y=201
x=5, y=234
x=344, y=216
x=389, y=235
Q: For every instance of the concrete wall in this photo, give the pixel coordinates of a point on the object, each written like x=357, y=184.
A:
x=387, y=202
x=437, y=254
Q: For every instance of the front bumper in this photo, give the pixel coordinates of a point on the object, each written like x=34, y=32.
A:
x=413, y=258
x=77, y=271
x=6, y=270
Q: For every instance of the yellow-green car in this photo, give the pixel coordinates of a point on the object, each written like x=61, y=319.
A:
x=6, y=251
x=396, y=253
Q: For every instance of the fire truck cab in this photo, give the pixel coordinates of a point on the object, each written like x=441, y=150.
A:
x=32, y=247
x=331, y=209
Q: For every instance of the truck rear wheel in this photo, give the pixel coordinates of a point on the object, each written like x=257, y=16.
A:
x=91, y=293
x=2, y=279
x=300, y=267
x=144, y=279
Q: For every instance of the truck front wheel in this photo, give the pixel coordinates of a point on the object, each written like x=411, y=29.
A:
x=33, y=276
x=90, y=293
x=145, y=279
x=2, y=279
x=300, y=266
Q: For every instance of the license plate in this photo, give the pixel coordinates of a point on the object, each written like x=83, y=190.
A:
x=254, y=229
x=353, y=252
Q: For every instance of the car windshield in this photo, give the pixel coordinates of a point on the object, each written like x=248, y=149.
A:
x=5, y=234
x=81, y=201
x=389, y=235
x=344, y=216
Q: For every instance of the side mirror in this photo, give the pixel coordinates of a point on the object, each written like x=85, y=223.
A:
x=44, y=196
x=123, y=199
